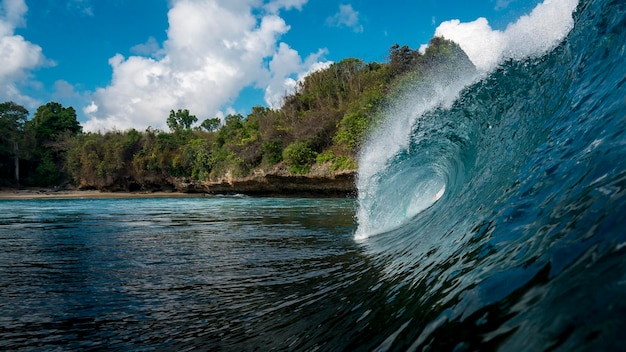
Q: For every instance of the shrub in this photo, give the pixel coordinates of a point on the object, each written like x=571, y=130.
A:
x=272, y=152
x=343, y=163
x=325, y=157
x=337, y=162
x=47, y=173
x=299, y=157
x=352, y=130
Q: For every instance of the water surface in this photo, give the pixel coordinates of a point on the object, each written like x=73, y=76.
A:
x=153, y=273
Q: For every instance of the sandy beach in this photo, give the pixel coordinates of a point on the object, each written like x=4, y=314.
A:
x=54, y=194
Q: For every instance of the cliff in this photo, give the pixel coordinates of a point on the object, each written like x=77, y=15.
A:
x=320, y=182
x=278, y=181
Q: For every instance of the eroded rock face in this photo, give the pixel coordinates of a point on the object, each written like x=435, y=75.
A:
x=320, y=182
x=336, y=184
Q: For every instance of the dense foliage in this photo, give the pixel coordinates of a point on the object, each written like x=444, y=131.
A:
x=33, y=152
x=325, y=121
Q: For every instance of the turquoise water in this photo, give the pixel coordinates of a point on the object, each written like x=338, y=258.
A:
x=498, y=225
x=164, y=273
x=526, y=248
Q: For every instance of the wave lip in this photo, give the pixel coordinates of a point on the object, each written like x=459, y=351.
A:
x=532, y=35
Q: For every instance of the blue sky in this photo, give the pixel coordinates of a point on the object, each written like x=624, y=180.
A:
x=126, y=63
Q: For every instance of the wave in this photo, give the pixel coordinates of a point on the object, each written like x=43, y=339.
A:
x=403, y=173
x=495, y=204
x=418, y=151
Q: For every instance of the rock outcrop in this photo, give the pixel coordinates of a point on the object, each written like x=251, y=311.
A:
x=320, y=182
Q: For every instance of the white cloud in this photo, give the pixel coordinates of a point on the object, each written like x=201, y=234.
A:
x=287, y=69
x=18, y=57
x=346, y=17
x=284, y=62
x=149, y=48
x=90, y=109
x=12, y=12
x=483, y=45
x=69, y=94
x=214, y=49
x=275, y=6
x=531, y=35
x=63, y=90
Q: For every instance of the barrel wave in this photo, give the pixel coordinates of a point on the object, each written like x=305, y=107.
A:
x=495, y=209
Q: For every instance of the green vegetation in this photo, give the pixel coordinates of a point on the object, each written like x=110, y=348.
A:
x=325, y=121
x=299, y=157
x=33, y=152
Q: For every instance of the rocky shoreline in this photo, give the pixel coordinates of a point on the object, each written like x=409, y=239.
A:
x=278, y=182
x=335, y=184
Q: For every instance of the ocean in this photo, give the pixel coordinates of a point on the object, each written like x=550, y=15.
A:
x=491, y=215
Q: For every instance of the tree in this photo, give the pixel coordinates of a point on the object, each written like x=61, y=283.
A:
x=402, y=59
x=211, y=125
x=12, y=120
x=180, y=120
x=53, y=119
x=51, y=124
